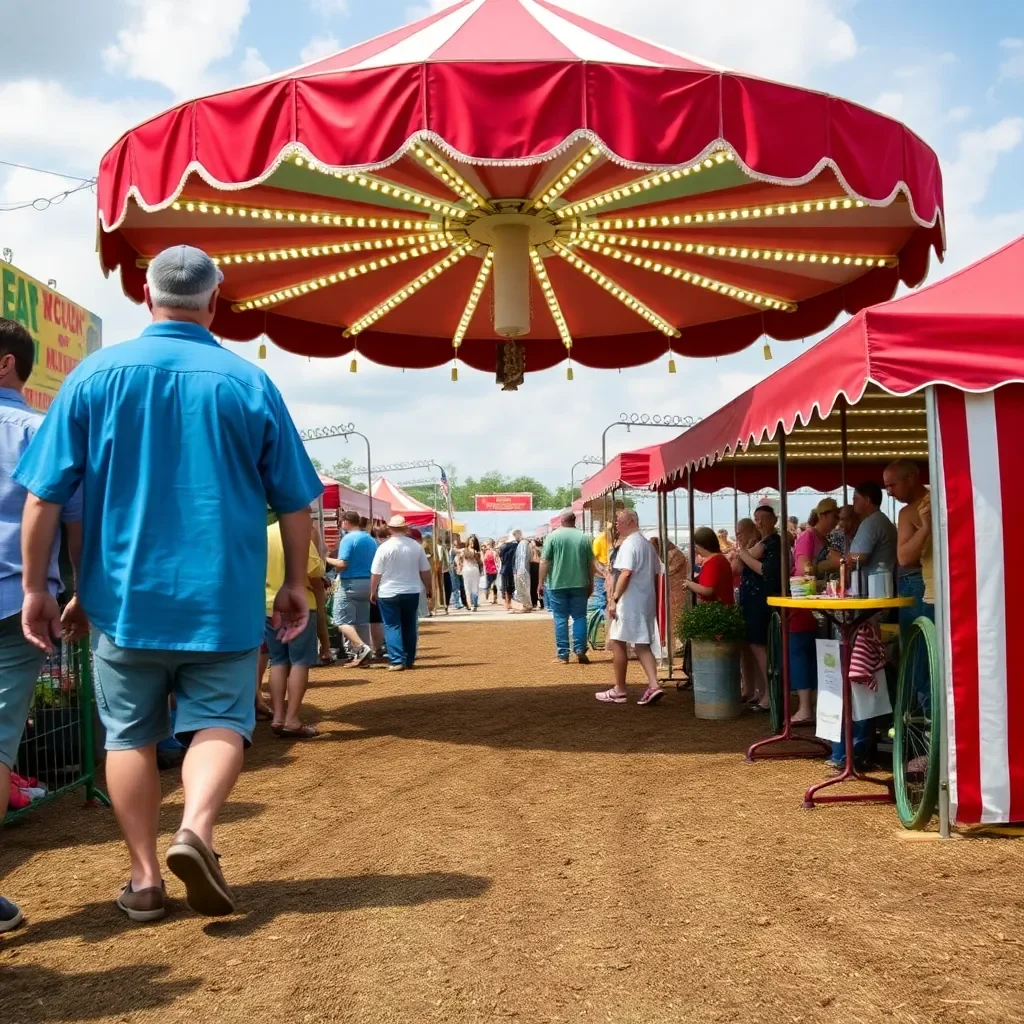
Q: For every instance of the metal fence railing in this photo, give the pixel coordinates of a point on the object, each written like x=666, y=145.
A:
x=58, y=748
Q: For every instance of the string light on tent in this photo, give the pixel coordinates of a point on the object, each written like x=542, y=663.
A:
x=319, y=219
x=301, y=288
x=756, y=299
x=635, y=188
x=561, y=183
x=447, y=175
x=408, y=291
x=387, y=188
x=616, y=290
x=735, y=252
x=717, y=216
x=474, y=299
x=554, y=307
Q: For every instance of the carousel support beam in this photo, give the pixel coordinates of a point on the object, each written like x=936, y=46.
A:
x=663, y=544
x=941, y=575
x=844, y=441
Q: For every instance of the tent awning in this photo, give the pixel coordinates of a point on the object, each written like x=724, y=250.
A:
x=402, y=504
x=347, y=499
x=966, y=331
x=629, y=469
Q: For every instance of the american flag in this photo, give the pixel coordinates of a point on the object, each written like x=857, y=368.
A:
x=445, y=490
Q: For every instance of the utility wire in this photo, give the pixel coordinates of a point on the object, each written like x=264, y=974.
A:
x=40, y=170
x=45, y=202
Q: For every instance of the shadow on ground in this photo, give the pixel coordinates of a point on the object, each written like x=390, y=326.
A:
x=261, y=902
x=558, y=716
x=32, y=994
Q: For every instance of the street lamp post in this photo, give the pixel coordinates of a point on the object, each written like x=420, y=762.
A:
x=587, y=460
x=346, y=430
x=636, y=419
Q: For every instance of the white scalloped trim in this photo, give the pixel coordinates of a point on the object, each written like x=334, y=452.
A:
x=292, y=149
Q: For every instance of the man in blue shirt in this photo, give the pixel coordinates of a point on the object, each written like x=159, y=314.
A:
x=179, y=446
x=352, y=598
x=20, y=661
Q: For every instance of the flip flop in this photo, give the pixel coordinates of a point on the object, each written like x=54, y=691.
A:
x=304, y=732
x=651, y=696
x=611, y=696
x=264, y=715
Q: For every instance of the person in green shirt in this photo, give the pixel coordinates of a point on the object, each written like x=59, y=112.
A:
x=566, y=580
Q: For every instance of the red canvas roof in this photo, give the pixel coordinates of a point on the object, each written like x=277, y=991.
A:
x=966, y=331
x=348, y=499
x=630, y=469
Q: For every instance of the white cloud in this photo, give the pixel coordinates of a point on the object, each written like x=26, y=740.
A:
x=959, y=113
x=1013, y=66
x=44, y=118
x=318, y=47
x=175, y=42
x=253, y=65
x=330, y=7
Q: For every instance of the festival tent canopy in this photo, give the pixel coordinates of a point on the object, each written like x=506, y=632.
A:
x=628, y=469
x=348, y=499
x=580, y=190
x=576, y=508
x=966, y=331
x=402, y=504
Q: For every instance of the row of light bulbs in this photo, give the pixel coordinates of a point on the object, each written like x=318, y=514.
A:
x=616, y=290
x=337, y=249
x=548, y=290
x=314, y=284
x=387, y=188
x=698, y=280
x=736, y=252
x=716, y=216
x=450, y=177
x=559, y=185
x=645, y=184
x=409, y=290
x=303, y=217
x=474, y=299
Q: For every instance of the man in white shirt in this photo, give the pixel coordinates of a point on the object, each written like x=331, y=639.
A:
x=400, y=571
x=633, y=611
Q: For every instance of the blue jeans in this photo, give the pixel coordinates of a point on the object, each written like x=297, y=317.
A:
x=565, y=604
x=20, y=665
x=456, y=589
x=803, y=660
x=862, y=733
x=401, y=627
x=599, y=599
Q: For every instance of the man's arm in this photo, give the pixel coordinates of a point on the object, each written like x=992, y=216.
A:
x=542, y=574
x=40, y=617
x=374, y=584
x=291, y=612
x=911, y=538
x=428, y=584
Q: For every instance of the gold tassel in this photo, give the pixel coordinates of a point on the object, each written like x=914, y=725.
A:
x=455, y=373
x=767, y=352
x=353, y=367
x=568, y=372
x=671, y=364
x=262, y=354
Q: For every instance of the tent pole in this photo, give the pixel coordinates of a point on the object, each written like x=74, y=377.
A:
x=941, y=575
x=675, y=516
x=735, y=501
x=689, y=524
x=669, y=624
x=844, y=442
x=784, y=573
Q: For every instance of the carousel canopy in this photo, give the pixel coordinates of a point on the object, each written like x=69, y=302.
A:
x=593, y=195
x=402, y=504
x=964, y=331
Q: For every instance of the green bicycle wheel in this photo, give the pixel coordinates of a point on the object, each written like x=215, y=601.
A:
x=596, y=629
x=917, y=731
x=774, y=663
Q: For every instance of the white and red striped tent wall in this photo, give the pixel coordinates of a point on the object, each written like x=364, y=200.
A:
x=978, y=451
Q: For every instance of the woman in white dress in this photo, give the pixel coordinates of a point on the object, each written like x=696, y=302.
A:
x=523, y=575
x=633, y=611
x=471, y=568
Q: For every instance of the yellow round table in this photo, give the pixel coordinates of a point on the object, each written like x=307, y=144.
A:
x=838, y=611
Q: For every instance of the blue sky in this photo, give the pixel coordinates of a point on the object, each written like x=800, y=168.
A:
x=73, y=75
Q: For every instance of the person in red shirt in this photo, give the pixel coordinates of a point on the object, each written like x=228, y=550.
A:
x=715, y=571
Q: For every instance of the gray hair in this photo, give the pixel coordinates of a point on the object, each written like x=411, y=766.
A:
x=182, y=277
x=630, y=516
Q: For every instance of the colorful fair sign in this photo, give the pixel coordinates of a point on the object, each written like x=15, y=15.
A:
x=64, y=332
x=504, y=502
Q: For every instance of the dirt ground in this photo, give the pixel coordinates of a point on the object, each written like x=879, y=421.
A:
x=480, y=840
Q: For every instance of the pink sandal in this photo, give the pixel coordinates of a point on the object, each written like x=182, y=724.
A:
x=651, y=695
x=611, y=696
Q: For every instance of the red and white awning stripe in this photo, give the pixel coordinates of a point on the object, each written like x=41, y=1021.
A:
x=983, y=491
x=513, y=30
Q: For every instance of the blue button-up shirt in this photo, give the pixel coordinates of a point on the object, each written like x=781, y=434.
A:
x=18, y=425
x=179, y=446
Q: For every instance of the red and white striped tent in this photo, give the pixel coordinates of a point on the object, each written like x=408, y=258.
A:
x=340, y=497
x=959, y=346
x=402, y=504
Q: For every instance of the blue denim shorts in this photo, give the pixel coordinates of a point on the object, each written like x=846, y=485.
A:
x=20, y=664
x=352, y=602
x=304, y=650
x=211, y=689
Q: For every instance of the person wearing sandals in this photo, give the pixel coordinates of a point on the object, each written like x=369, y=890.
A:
x=633, y=611
x=196, y=442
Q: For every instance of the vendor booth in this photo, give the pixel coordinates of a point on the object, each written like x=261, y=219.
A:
x=936, y=376
x=337, y=498
x=402, y=504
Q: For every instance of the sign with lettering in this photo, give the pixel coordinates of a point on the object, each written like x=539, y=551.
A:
x=63, y=331
x=504, y=502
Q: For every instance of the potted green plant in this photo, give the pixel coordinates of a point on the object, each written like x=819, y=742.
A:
x=715, y=631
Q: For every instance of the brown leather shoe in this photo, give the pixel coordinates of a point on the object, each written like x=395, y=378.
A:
x=206, y=891
x=145, y=904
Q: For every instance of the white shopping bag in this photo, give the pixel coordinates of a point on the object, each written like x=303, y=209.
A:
x=830, y=690
x=866, y=703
